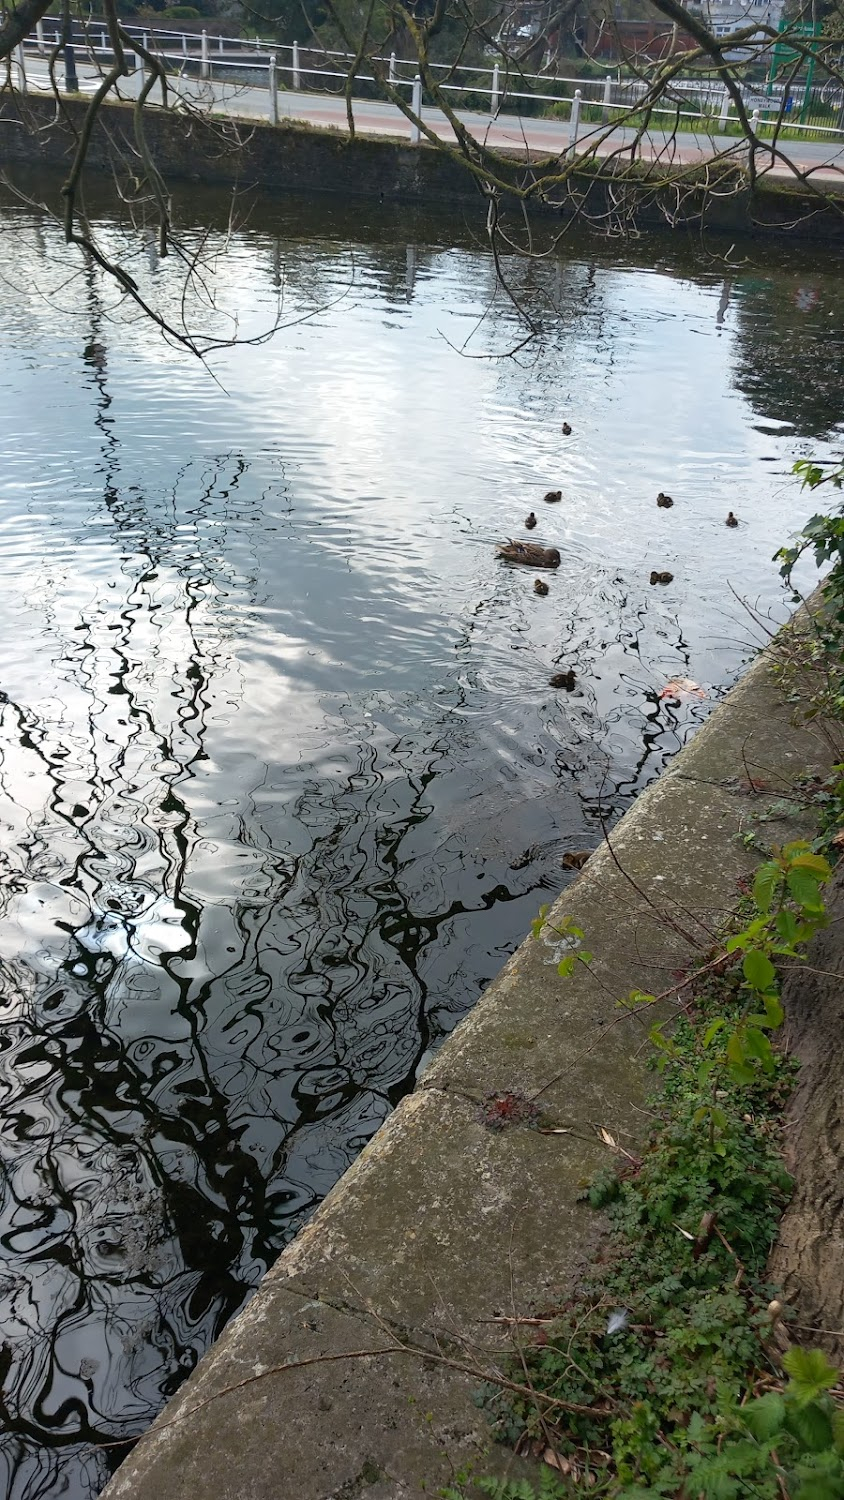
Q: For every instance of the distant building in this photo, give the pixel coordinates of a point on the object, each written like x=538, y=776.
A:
x=724, y=16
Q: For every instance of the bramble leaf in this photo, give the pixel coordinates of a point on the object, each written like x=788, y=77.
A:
x=765, y=1416
x=811, y=1373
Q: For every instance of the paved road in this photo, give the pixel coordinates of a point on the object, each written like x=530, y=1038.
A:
x=823, y=159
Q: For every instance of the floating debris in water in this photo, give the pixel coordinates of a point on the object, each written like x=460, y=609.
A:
x=683, y=687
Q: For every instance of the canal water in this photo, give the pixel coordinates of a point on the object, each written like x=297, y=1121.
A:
x=282, y=778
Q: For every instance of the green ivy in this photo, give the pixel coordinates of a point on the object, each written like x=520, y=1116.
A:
x=667, y=1350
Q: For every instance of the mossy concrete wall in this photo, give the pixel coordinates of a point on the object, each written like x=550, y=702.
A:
x=352, y=1372
x=298, y=159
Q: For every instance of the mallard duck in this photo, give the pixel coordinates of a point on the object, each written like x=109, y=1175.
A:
x=731, y=519
x=540, y=587
x=552, y=497
x=661, y=577
x=664, y=501
x=575, y=859
x=566, y=429
x=530, y=521
x=530, y=554
x=564, y=680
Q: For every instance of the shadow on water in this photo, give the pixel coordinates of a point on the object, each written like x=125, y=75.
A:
x=281, y=779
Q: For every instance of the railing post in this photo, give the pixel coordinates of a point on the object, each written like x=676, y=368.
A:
x=71, y=79
x=751, y=146
x=145, y=40
x=416, y=106
x=297, y=79
x=273, y=93
x=495, y=96
x=205, y=66
x=184, y=45
x=574, y=123
x=391, y=77
x=21, y=68
x=39, y=36
x=605, y=113
x=220, y=47
x=725, y=106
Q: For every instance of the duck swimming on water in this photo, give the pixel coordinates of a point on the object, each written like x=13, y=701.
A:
x=530, y=554
x=530, y=521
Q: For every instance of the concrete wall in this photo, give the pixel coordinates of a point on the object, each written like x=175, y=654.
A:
x=294, y=158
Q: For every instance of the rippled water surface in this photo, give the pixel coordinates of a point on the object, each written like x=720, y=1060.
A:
x=282, y=781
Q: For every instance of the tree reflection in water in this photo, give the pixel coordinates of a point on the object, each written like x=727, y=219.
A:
x=240, y=904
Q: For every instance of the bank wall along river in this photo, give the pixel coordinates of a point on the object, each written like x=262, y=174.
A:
x=282, y=779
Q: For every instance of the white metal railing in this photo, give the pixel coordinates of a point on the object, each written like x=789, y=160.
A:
x=218, y=56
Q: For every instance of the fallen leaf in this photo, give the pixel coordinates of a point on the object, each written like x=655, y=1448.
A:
x=608, y=1140
x=555, y=1462
x=838, y=840
x=556, y=1130
x=682, y=687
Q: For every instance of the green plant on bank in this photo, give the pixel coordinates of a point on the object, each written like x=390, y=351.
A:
x=823, y=535
x=663, y=1373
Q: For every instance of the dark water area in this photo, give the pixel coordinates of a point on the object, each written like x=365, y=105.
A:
x=282, y=780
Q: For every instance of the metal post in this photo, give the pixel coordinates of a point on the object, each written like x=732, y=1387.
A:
x=205, y=66
x=495, y=96
x=574, y=123
x=273, y=93
x=605, y=114
x=145, y=41
x=416, y=106
x=220, y=46
x=39, y=36
x=297, y=81
x=184, y=46
x=21, y=68
x=725, y=106
x=392, y=73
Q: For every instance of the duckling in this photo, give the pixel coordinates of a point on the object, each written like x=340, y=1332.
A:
x=540, y=587
x=661, y=577
x=564, y=680
x=529, y=553
x=731, y=520
x=552, y=497
x=566, y=429
x=530, y=521
x=664, y=501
